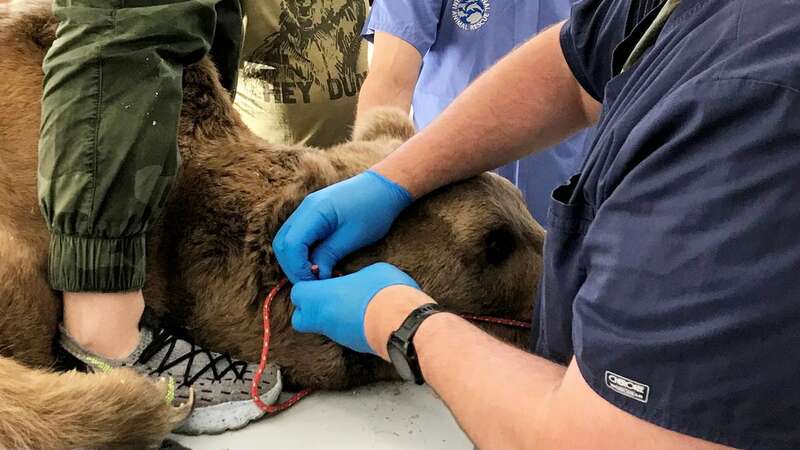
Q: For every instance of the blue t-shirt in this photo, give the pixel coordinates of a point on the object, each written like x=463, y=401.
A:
x=459, y=40
x=672, y=262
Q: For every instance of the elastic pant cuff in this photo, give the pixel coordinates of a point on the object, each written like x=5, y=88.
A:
x=81, y=264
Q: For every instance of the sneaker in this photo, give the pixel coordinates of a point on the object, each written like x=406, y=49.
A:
x=221, y=384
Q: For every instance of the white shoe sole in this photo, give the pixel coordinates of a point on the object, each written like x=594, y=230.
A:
x=228, y=416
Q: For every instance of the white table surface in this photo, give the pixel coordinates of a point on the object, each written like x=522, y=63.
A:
x=383, y=416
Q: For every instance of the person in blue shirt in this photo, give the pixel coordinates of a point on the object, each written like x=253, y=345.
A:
x=669, y=315
x=426, y=52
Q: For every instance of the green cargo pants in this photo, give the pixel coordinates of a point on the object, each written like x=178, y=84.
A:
x=108, y=152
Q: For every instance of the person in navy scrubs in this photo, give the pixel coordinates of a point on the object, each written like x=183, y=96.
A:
x=426, y=52
x=669, y=310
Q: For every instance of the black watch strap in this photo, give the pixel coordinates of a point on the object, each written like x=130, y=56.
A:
x=401, y=348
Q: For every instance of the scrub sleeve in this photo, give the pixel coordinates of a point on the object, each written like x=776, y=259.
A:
x=414, y=21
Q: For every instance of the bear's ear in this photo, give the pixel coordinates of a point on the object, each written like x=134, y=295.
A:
x=30, y=19
x=263, y=223
x=208, y=111
x=384, y=123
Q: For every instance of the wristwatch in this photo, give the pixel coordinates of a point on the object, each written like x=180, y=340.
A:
x=401, y=343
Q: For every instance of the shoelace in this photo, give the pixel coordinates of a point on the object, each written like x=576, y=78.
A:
x=162, y=339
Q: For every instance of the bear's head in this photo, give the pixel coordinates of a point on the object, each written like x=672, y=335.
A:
x=472, y=246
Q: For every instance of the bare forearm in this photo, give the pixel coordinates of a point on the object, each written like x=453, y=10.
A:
x=527, y=102
x=393, y=74
x=378, y=92
x=471, y=371
x=474, y=374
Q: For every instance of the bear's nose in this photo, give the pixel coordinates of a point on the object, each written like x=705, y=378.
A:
x=499, y=244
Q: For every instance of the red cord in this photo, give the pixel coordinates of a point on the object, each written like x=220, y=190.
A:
x=262, y=365
x=497, y=320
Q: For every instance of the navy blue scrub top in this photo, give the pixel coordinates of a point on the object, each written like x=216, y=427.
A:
x=672, y=262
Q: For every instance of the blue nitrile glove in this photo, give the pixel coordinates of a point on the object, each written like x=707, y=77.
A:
x=336, y=307
x=341, y=219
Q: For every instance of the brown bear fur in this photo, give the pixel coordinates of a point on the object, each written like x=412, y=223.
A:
x=43, y=411
x=472, y=246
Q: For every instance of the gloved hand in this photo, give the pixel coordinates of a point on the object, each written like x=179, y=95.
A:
x=336, y=307
x=341, y=218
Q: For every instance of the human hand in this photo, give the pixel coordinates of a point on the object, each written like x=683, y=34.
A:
x=336, y=307
x=341, y=218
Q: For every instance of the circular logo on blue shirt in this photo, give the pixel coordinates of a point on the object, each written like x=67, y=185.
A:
x=470, y=14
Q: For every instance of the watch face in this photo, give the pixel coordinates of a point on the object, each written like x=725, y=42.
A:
x=400, y=363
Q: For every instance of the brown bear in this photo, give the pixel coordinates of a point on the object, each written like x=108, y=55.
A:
x=473, y=246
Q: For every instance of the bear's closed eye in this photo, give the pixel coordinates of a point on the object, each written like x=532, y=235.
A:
x=499, y=244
